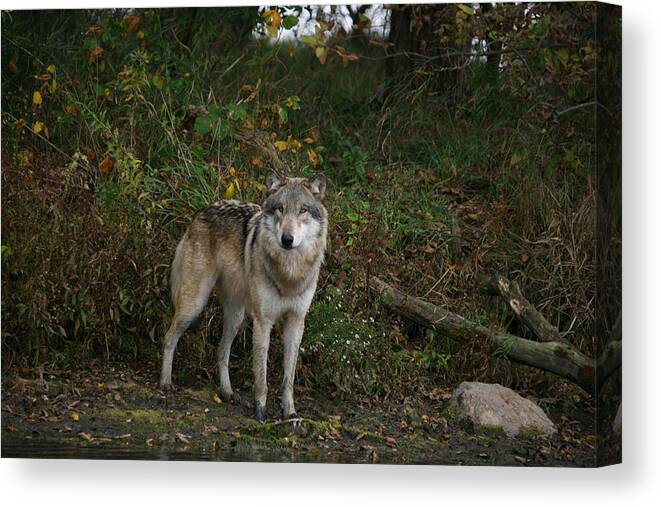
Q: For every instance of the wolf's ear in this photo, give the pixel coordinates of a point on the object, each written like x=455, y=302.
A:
x=272, y=182
x=318, y=186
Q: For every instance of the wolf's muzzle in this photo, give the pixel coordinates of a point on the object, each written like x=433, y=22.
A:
x=287, y=241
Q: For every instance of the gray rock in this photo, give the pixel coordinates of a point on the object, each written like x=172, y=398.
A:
x=617, y=421
x=495, y=406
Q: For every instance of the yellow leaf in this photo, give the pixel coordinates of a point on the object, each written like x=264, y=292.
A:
x=314, y=158
x=52, y=87
x=38, y=127
x=294, y=144
x=36, y=98
x=51, y=68
x=229, y=192
x=272, y=19
x=216, y=398
x=321, y=53
x=74, y=416
x=281, y=145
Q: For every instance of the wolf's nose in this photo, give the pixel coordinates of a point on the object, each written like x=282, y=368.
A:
x=287, y=240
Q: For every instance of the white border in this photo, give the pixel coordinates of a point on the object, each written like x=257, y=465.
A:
x=636, y=482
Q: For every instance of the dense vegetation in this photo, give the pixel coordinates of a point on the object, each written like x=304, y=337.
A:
x=463, y=143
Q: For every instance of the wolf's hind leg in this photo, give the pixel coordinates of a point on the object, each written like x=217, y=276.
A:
x=233, y=315
x=194, y=281
x=177, y=328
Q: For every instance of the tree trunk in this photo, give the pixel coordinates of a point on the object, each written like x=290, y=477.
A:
x=552, y=356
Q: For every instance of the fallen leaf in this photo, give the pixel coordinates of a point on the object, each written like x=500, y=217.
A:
x=132, y=23
x=256, y=161
x=95, y=54
x=281, y=145
x=183, y=438
x=106, y=164
x=74, y=416
x=313, y=157
x=216, y=398
x=391, y=441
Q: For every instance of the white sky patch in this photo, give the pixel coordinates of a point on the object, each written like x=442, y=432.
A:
x=307, y=21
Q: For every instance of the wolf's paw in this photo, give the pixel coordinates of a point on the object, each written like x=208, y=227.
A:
x=260, y=413
x=167, y=387
x=295, y=423
x=232, y=397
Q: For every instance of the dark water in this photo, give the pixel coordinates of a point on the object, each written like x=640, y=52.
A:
x=44, y=449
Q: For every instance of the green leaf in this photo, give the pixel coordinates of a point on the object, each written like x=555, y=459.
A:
x=563, y=54
x=202, y=125
x=290, y=22
x=309, y=40
x=293, y=102
x=237, y=112
x=354, y=217
x=221, y=131
x=282, y=113
x=92, y=43
x=214, y=111
x=466, y=9
x=158, y=80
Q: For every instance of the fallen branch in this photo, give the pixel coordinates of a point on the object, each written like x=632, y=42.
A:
x=556, y=357
x=523, y=310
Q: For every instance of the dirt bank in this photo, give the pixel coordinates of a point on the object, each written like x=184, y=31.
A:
x=118, y=412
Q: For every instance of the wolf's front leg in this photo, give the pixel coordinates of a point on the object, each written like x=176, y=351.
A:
x=260, y=351
x=293, y=333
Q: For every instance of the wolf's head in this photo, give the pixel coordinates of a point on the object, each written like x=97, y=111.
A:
x=294, y=209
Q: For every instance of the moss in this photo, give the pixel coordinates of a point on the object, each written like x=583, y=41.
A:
x=141, y=420
x=450, y=413
x=531, y=433
x=488, y=431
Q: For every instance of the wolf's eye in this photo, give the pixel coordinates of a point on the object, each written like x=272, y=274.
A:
x=279, y=208
x=303, y=210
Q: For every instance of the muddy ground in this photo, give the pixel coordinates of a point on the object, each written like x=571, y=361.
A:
x=119, y=412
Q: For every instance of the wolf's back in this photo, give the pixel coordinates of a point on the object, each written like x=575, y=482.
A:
x=225, y=222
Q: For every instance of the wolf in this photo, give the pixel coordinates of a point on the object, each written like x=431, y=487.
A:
x=264, y=262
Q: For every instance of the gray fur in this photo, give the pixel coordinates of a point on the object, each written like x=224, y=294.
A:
x=242, y=250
